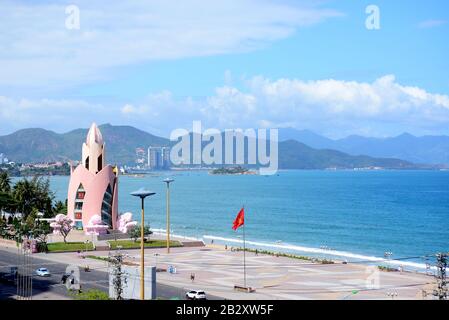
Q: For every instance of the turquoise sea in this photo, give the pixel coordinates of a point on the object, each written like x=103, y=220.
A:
x=359, y=214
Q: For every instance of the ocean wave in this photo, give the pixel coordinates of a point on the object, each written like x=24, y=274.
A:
x=164, y=232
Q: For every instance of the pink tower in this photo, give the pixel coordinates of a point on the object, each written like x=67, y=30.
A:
x=93, y=187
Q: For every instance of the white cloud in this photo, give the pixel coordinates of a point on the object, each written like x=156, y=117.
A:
x=431, y=23
x=36, y=48
x=55, y=114
x=333, y=107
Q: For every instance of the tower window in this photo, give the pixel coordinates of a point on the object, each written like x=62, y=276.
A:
x=79, y=200
x=100, y=162
x=87, y=163
x=106, y=207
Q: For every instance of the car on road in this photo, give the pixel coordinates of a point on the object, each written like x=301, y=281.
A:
x=43, y=272
x=196, y=295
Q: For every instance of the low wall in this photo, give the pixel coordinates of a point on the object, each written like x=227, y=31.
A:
x=7, y=243
x=112, y=236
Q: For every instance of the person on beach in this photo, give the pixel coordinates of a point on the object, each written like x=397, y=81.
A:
x=192, y=277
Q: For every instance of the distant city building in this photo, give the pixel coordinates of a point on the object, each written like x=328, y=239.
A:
x=158, y=158
x=93, y=189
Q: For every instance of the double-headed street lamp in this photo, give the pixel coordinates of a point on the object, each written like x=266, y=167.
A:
x=142, y=194
x=167, y=181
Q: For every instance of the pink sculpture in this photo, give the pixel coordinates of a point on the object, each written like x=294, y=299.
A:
x=96, y=226
x=125, y=222
x=93, y=187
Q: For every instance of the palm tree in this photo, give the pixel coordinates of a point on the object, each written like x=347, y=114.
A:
x=7, y=202
x=24, y=194
x=5, y=182
x=59, y=207
x=33, y=194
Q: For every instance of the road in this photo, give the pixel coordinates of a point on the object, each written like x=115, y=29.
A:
x=94, y=279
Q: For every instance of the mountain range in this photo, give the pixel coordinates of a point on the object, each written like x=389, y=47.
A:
x=425, y=149
x=297, y=149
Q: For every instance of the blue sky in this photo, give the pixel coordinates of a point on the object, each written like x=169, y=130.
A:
x=341, y=48
x=158, y=66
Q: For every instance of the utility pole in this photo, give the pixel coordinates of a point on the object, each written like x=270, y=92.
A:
x=24, y=278
x=442, y=290
x=168, y=181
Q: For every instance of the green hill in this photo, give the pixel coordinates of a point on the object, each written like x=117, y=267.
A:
x=296, y=155
x=39, y=145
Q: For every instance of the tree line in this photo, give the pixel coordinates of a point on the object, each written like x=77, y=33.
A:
x=33, y=199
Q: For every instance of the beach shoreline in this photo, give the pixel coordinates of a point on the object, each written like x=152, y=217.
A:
x=317, y=256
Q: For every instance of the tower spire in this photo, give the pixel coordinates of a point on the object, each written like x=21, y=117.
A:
x=93, y=153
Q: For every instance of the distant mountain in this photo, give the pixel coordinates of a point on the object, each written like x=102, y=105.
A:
x=296, y=155
x=307, y=137
x=39, y=145
x=426, y=149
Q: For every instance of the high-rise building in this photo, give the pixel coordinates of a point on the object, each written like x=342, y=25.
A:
x=93, y=187
x=159, y=158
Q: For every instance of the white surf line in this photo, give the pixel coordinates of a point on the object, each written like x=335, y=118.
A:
x=326, y=252
x=163, y=232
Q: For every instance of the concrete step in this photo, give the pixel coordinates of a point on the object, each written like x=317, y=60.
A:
x=102, y=248
x=192, y=243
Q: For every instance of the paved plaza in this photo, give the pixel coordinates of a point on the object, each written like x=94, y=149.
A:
x=217, y=271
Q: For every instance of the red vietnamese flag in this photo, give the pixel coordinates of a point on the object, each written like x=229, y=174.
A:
x=239, y=220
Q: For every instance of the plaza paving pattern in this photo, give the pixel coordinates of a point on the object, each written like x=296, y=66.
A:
x=217, y=271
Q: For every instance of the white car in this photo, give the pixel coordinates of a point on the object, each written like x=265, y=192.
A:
x=196, y=295
x=43, y=272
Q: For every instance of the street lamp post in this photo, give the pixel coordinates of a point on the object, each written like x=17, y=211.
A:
x=156, y=255
x=388, y=255
x=142, y=194
x=167, y=181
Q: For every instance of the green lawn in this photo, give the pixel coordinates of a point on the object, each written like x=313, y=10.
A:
x=69, y=246
x=92, y=294
x=130, y=244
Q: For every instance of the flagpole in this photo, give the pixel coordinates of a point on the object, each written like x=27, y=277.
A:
x=244, y=251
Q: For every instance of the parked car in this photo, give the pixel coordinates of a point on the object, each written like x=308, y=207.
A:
x=196, y=295
x=43, y=272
